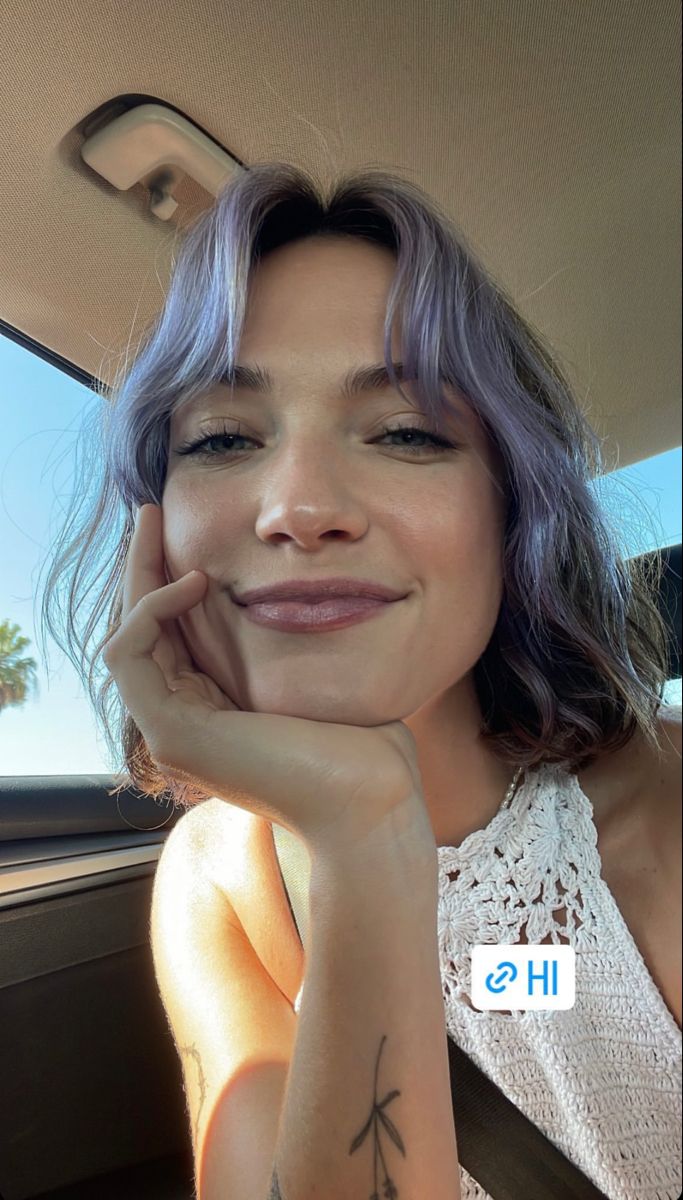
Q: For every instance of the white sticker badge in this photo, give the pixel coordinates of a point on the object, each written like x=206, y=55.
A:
x=523, y=977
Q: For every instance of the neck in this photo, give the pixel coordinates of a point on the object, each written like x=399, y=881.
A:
x=464, y=783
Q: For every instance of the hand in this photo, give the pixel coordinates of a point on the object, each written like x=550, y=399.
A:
x=335, y=786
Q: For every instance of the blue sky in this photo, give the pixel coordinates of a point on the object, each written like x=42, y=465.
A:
x=54, y=731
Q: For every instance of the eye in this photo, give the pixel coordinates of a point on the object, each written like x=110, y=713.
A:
x=203, y=448
x=435, y=445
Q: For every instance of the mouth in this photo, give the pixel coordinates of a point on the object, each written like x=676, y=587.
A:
x=312, y=591
x=319, y=616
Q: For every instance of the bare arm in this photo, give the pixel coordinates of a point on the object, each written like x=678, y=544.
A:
x=368, y=1106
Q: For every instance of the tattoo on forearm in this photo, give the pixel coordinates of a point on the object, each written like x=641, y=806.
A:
x=377, y=1115
x=274, y=1193
x=193, y=1053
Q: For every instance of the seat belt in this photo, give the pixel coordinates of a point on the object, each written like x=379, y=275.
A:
x=498, y=1145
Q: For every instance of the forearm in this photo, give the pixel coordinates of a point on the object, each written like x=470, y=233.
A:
x=368, y=1096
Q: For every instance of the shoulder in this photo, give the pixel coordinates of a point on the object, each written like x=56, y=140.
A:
x=667, y=771
x=669, y=724
x=637, y=811
x=229, y=849
x=655, y=773
x=206, y=847
x=658, y=772
x=655, y=782
x=638, y=788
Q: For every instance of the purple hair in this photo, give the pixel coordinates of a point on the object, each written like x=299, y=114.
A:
x=578, y=659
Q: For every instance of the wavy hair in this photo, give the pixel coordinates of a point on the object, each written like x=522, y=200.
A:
x=578, y=658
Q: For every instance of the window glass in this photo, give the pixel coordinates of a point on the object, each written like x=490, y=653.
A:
x=643, y=505
x=52, y=731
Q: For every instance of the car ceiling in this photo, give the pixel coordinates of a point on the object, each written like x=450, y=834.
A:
x=548, y=130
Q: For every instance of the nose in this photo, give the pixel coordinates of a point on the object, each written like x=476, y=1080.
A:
x=307, y=498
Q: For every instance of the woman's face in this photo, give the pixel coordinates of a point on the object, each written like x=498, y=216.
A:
x=320, y=492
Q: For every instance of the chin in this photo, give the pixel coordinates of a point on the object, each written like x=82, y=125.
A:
x=338, y=710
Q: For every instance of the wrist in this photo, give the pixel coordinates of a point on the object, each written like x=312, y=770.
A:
x=402, y=839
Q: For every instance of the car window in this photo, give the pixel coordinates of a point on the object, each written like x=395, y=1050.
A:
x=50, y=729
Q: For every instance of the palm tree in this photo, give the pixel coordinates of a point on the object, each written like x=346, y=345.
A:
x=16, y=673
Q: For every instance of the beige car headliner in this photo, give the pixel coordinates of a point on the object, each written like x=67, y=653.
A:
x=549, y=130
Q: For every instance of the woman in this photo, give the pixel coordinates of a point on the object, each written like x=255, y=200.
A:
x=337, y=389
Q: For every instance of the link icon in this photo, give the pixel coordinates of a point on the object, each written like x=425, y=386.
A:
x=514, y=977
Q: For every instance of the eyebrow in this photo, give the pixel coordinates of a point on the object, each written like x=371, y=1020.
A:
x=368, y=378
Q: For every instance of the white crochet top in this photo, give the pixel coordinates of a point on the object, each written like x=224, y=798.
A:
x=602, y=1080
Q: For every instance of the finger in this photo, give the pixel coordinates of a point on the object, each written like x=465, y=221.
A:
x=128, y=655
x=171, y=652
x=145, y=566
x=146, y=572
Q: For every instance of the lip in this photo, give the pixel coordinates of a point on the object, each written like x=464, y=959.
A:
x=324, y=616
x=313, y=591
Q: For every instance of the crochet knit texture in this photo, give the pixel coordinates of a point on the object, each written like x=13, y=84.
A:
x=601, y=1080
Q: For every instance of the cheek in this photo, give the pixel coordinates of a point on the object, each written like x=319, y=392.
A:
x=454, y=536
x=456, y=550
x=197, y=533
